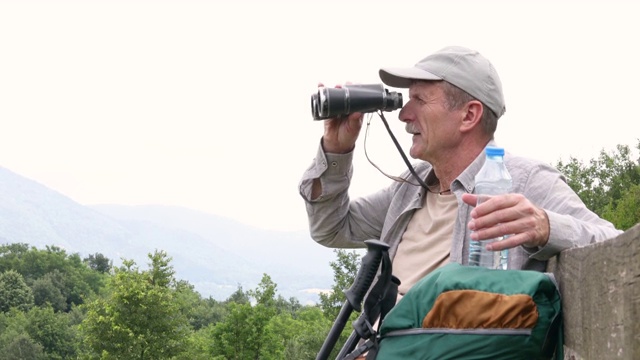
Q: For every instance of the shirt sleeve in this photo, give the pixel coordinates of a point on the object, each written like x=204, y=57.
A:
x=334, y=219
x=571, y=223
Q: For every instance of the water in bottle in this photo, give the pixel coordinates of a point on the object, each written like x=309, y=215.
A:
x=492, y=179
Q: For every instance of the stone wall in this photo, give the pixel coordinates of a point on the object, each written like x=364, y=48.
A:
x=600, y=287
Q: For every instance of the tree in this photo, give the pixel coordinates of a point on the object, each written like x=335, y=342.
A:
x=22, y=347
x=14, y=292
x=239, y=296
x=231, y=336
x=200, y=312
x=12, y=256
x=302, y=334
x=75, y=280
x=140, y=318
x=51, y=330
x=48, y=290
x=99, y=262
x=244, y=333
x=626, y=212
x=345, y=268
x=608, y=185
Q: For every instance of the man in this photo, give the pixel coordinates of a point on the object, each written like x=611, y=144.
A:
x=455, y=101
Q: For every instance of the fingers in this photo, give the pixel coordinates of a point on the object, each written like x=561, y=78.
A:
x=512, y=215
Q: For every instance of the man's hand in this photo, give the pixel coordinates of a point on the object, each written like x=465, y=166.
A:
x=340, y=134
x=510, y=214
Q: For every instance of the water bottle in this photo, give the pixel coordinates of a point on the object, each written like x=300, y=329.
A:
x=492, y=179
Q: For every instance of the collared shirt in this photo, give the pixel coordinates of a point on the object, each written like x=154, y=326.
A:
x=337, y=221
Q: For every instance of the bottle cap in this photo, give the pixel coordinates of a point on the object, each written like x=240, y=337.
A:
x=494, y=151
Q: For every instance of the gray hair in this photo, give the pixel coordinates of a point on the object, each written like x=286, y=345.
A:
x=456, y=98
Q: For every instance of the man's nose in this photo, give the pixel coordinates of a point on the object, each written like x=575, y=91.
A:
x=404, y=114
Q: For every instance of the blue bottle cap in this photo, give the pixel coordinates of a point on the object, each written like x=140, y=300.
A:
x=494, y=151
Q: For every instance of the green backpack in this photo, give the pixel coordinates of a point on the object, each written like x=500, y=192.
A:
x=462, y=312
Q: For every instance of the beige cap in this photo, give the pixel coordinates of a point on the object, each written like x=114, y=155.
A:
x=462, y=67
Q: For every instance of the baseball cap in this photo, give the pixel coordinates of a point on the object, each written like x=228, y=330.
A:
x=462, y=67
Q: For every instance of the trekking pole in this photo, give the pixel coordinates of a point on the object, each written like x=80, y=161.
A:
x=367, y=272
x=385, y=299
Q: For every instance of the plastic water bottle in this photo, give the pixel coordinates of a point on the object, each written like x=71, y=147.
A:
x=492, y=179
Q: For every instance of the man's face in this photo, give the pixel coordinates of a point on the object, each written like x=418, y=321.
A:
x=428, y=118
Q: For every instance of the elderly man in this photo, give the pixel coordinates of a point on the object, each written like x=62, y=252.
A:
x=455, y=101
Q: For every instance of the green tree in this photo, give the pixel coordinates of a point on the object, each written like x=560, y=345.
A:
x=301, y=334
x=626, y=213
x=99, y=263
x=230, y=336
x=345, y=268
x=140, y=318
x=53, y=331
x=239, y=297
x=608, y=184
x=49, y=290
x=75, y=280
x=12, y=256
x=13, y=324
x=14, y=292
x=22, y=347
x=200, y=312
x=244, y=333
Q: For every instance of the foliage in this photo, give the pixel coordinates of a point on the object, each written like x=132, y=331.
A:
x=149, y=314
x=49, y=290
x=199, y=312
x=39, y=330
x=14, y=292
x=302, y=336
x=51, y=330
x=608, y=184
x=22, y=347
x=99, y=262
x=140, y=318
x=345, y=268
x=52, y=273
x=243, y=334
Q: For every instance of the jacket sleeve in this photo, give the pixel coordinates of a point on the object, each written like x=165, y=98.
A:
x=571, y=223
x=334, y=220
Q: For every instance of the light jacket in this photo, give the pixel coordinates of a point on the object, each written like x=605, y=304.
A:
x=336, y=221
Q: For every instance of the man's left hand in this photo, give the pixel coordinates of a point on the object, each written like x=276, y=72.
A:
x=509, y=214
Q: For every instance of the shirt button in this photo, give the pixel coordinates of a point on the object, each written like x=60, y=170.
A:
x=334, y=164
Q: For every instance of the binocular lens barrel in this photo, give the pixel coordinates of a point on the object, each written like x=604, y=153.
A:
x=334, y=102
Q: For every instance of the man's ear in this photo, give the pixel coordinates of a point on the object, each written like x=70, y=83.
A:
x=472, y=115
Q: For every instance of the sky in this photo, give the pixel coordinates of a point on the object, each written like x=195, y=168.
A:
x=206, y=104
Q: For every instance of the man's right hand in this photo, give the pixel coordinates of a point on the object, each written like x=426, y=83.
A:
x=340, y=134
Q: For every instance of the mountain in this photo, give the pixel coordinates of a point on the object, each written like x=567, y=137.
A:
x=213, y=253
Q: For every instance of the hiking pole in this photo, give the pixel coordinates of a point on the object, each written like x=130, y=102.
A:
x=367, y=272
x=385, y=295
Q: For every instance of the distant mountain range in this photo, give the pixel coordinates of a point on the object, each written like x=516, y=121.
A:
x=213, y=253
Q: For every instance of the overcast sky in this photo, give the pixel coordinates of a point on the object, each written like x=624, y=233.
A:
x=206, y=104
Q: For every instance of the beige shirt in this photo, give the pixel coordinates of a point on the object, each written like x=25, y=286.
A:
x=426, y=243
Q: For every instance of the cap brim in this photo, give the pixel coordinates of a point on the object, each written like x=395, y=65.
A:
x=402, y=77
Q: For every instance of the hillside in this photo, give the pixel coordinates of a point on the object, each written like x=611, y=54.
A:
x=213, y=253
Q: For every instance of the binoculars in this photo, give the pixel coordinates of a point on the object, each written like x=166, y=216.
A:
x=335, y=102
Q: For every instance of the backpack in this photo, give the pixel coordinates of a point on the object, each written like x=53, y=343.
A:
x=464, y=312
